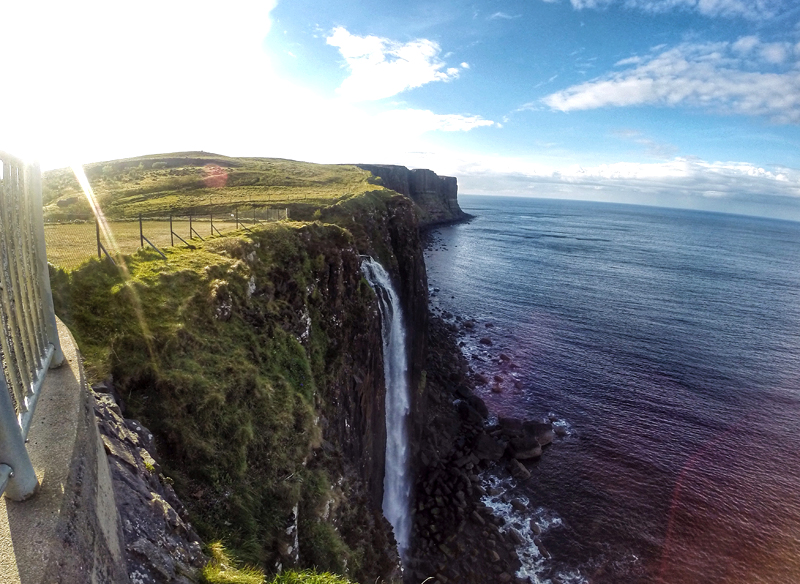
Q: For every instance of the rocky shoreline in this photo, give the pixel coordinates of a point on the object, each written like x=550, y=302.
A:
x=456, y=536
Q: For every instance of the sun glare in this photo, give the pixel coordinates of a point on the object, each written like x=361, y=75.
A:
x=116, y=255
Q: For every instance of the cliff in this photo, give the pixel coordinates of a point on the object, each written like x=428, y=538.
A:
x=255, y=360
x=435, y=197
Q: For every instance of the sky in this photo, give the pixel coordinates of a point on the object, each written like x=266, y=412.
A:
x=682, y=103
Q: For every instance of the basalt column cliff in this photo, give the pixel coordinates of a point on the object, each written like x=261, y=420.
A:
x=436, y=197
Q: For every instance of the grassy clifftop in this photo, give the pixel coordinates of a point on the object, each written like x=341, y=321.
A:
x=159, y=183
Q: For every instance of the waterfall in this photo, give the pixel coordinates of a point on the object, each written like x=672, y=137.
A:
x=397, y=478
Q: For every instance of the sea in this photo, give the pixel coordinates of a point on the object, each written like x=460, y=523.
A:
x=664, y=344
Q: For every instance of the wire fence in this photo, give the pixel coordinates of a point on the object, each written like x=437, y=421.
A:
x=73, y=239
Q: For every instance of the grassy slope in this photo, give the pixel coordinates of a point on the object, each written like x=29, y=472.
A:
x=223, y=569
x=231, y=399
x=153, y=185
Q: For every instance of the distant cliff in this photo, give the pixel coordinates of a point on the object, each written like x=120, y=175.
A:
x=436, y=197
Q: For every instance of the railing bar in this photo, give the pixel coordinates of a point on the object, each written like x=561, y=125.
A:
x=34, y=268
x=29, y=300
x=50, y=328
x=21, y=330
x=18, y=381
x=11, y=365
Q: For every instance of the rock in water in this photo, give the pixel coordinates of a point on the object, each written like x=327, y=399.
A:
x=542, y=431
x=518, y=470
x=487, y=448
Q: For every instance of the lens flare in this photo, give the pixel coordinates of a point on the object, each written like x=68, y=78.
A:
x=117, y=256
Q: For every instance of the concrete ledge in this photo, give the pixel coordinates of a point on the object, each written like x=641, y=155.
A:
x=70, y=531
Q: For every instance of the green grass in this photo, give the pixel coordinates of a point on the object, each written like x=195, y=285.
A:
x=157, y=184
x=71, y=244
x=292, y=577
x=224, y=569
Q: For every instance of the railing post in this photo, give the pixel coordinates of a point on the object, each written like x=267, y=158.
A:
x=22, y=483
x=35, y=197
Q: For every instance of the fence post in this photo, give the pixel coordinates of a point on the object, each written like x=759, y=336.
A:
x=97, y=230
x=171, y=231
x=51, y=330
x=141, y=232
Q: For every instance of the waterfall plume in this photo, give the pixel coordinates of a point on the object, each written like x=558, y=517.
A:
x=397, y=476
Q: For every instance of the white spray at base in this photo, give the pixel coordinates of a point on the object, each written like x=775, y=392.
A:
x=397, y=478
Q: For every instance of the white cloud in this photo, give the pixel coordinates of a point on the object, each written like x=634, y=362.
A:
x=775, y=53
x=421, y=121
x=750, y=9
x=745, y=44
x=652, y=147
x=380, y=67
x=712, y=76
x=504, y=16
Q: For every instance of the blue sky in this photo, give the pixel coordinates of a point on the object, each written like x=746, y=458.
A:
x=691, y=103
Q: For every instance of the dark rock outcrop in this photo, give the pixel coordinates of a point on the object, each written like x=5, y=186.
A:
x=436, y=197
x=161, y=547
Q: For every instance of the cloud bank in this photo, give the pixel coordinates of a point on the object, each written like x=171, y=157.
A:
x=380, y=67
x=749, y=9
x=734, y=187
x=746, y=77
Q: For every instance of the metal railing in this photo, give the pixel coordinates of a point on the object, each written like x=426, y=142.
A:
x=29, y=343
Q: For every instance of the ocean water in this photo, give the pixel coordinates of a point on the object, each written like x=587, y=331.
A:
x=666, y=343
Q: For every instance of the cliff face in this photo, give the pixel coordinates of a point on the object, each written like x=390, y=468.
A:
x=436, y=197
x=393, y=238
